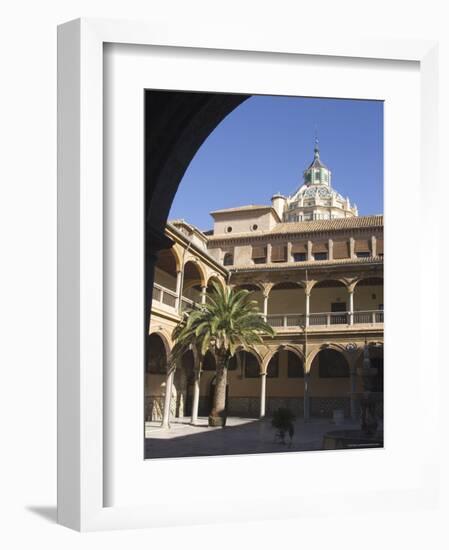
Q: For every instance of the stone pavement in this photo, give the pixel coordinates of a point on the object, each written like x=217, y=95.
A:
x=240, y=436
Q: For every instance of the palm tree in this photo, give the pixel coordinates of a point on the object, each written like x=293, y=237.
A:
x=228, y=321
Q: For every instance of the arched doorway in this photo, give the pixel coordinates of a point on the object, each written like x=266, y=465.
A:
x=155, y=377
x=329, y=383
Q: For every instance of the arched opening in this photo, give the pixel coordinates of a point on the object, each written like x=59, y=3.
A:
x=208, y=369
x=165, y=273
x=212, y=283
x=183, y=386
x=244, y=385
x=155, y=377
x=329, y=383
x=176, y=124
x=369, y=300
x=285, y=382
x=286, y=305
x=193, y=281
x=329, y=303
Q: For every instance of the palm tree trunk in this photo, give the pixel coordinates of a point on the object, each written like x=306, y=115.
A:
x=217, y=416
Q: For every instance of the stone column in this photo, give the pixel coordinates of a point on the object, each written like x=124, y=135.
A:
x=265, y=305
x=306, y=396
x=196, y=397
x=351, y=305
x=307, y=306
x=203, y=294
x=352, y=248
x=178, y=289
x=289, y=251
x=263, y=391
x=353, y=382
x=309, y=251
x=167, y=399
x=373, y=246
x=268, y=253
x=330, y=246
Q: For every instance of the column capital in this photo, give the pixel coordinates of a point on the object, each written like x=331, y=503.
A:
x=308, y=287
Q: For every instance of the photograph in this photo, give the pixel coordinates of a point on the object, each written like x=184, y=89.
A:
x=264, y=304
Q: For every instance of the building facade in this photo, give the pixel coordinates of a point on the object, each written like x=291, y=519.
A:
x=316, y=270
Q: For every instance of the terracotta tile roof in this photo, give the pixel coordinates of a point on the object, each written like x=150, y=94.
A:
x=356, y=222
x=315, y=226
x=312, y=263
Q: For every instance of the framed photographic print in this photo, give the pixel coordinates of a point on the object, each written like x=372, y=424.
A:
x=227, y=325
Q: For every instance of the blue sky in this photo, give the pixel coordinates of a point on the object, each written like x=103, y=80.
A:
x=264, y=145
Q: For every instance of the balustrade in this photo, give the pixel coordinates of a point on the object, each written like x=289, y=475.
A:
x=325, y=319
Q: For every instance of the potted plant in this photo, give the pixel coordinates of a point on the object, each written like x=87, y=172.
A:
x=283, y=421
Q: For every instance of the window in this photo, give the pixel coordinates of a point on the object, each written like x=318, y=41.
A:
x=259, y=254
x=228, y=259
x=341, y=250
x=228, y=229
x=380, y=247
x=279, y=253
x=300, y=256
x=320, y=256
x=254, y=227
x=294, y=366
x=362, y=248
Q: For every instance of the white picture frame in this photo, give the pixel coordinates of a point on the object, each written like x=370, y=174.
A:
x=82, y=479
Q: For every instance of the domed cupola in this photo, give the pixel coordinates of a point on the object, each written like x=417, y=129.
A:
x=315, y=199
x=317, y=173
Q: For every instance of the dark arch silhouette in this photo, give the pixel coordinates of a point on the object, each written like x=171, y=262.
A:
x=176, y=124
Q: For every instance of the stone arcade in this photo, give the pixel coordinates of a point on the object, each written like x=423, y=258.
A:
x=316, y=269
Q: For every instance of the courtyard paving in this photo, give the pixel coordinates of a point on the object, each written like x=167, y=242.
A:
x=240, y=436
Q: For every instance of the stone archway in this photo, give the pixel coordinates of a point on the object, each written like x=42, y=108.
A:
x=176, y=125
x=284, y=368
x=156, y=376
x=330, y=382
